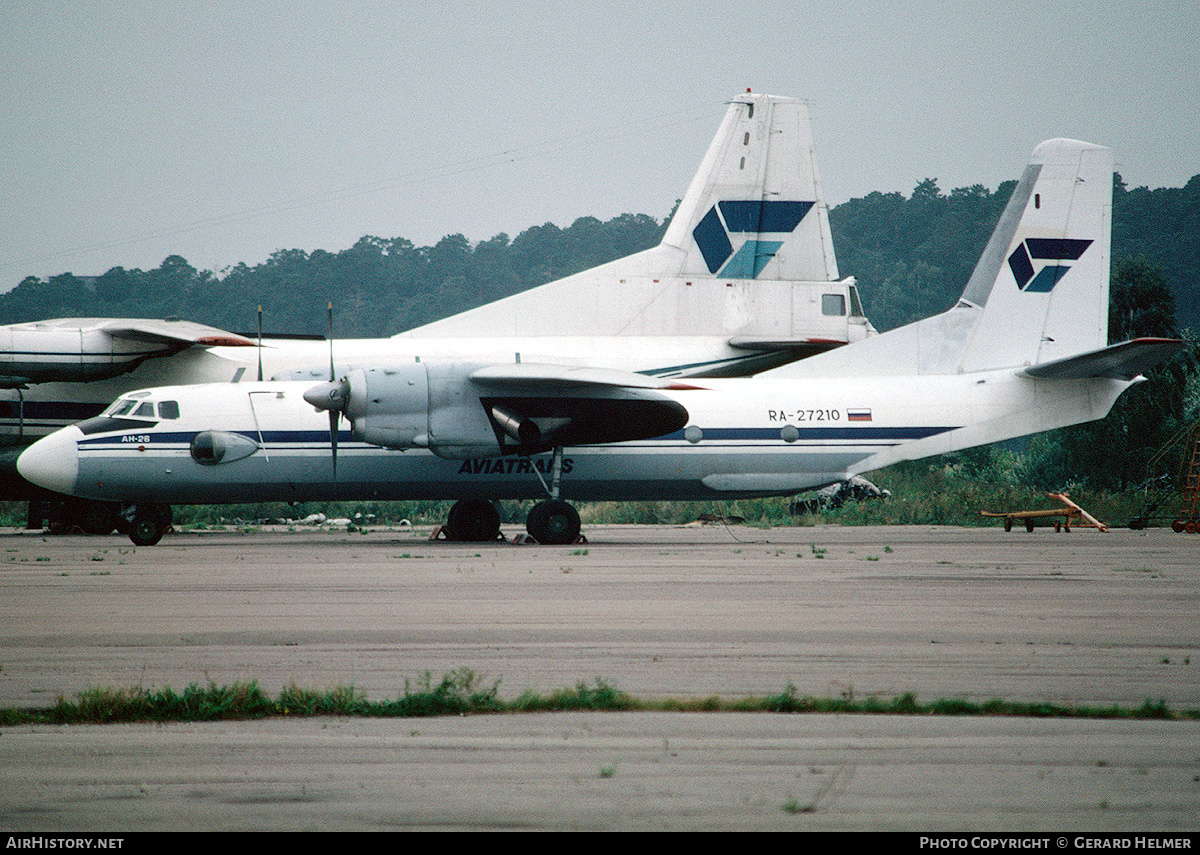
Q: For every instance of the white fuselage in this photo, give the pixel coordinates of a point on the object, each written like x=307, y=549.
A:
x=744, y=437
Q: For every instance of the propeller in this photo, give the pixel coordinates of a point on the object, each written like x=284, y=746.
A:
x=331, y=396
x=260, y=344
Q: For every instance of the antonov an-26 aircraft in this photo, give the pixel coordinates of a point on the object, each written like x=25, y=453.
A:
x=1024, y=350
x=744, y=279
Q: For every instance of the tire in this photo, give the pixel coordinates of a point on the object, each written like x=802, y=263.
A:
x=146, y=529
x=473, y=520
x=554, y=522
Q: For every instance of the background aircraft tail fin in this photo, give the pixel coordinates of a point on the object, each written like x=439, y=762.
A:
x=755, y=206
x=747, y=254
x=1039, y=293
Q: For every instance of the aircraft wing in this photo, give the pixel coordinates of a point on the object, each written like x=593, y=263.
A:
x=185, y=333
x=1123, y=361
x=536, y=407
x=78, y=350
x=526, y=374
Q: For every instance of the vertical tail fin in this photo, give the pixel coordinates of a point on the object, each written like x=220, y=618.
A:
x=755, y=206
x=1042, y=281
x=1038, y=294
x=748, y=255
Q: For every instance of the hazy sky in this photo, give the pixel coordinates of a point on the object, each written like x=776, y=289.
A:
x=225, y=131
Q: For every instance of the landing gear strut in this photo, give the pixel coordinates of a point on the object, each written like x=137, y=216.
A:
x=553, y=521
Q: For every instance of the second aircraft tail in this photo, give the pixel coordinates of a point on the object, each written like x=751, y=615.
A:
x=1037, y=296
x=747, y=256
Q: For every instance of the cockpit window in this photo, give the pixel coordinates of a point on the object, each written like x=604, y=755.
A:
x=128, y=408
x=856, y=309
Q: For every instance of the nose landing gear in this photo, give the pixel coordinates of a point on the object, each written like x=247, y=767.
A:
x=148, y=522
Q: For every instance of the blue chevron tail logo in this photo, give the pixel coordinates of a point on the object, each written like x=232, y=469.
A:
x=712, y=234
x=1044, y=249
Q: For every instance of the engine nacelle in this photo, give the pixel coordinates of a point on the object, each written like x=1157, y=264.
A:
x=32, y=354
x=422, y=405
x=462, y=411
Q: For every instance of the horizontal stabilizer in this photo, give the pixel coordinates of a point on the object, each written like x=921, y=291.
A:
x=748, y=251
x=1118, y=362
x=747, y=342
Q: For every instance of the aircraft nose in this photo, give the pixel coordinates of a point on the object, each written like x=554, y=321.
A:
x=53, y=461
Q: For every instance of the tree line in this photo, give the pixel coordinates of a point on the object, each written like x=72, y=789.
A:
x=911, y=255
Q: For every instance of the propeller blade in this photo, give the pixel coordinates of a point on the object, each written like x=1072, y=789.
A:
x=260, y=344
x=332, y=377
x=334, y=415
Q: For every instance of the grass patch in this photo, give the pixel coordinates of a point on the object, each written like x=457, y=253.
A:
x=460, y=693
x=946, y=490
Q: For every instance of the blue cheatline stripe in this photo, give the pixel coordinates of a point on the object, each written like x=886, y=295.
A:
x=74, y=354
x=825, y=433
x=743, y=434
x=709, y=364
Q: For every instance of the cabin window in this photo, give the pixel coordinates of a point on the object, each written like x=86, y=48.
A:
x=168, y=409
x=833, y=305
x=146, y=409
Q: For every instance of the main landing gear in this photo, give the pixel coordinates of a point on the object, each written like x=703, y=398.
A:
x=552, y=521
